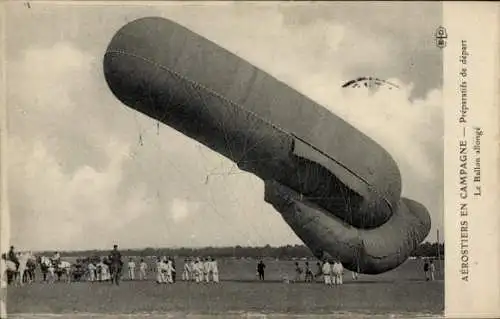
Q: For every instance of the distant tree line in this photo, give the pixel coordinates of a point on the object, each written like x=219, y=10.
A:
x=429, y=250
x=283, y=252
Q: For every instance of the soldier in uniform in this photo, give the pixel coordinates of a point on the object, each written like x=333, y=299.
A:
x=115, y=259
x=12, y=256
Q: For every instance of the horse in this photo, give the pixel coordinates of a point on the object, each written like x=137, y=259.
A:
x=10, y=271
x=337, y=273
x=47, y=268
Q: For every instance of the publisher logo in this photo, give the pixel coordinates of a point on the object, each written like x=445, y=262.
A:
x=441, y=37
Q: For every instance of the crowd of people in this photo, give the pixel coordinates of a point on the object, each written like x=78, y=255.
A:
x=330, y=271
x=165, y=272
x=110, y=268
x=195, y=269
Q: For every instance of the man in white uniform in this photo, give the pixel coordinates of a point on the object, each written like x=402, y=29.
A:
x=131, y=269
x=327, y=269
x=91, y=270
x=143, y=267
x=169, y=270
x=191, y=268
x=105, y=274
x=215, y=271
x=207, y=269
x=201, y=267
x=159, y=271
x=185, y=271
x=337, y=273
x=198, y=271
x=51, y=271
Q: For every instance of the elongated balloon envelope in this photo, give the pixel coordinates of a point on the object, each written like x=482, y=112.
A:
x=337, y=189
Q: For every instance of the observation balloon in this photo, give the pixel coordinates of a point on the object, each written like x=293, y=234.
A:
x=337, y=189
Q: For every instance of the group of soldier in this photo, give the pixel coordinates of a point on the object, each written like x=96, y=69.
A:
x=331, y=271
x=91, y=269
x=195, y=269
x=108, y=269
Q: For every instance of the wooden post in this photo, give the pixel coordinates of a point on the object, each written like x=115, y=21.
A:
x=438, y=253
x=438, y=248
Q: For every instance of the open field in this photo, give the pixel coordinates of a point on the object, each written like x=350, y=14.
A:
x=401, y=291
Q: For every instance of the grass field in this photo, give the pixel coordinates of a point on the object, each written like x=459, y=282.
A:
x=401, y=292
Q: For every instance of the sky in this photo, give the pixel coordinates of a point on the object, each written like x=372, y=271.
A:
x=85, y=172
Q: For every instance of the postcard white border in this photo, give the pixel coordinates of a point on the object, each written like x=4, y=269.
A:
x=472, y=283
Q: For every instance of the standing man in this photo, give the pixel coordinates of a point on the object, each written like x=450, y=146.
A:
x=185, y=272
x=319, y=270
x=192, y=269
x=206, y=269
x=432, y=270
x=309, y=274
x=160, y=276
x=142, y=270
x=426, y=270
x=337, y=273
x=298, y=272
x=215, y=271
x=174, y=273
x=116, y=263
x=327, y=270
x=131, y=269
x=169, y=270
x=198, y=271
x=91, y=268
x=260, y=269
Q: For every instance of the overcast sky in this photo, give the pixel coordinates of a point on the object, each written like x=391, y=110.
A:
x=86, y=172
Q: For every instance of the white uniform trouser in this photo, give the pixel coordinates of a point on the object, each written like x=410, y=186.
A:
x=160, y=277
x=131, y=273
x=198, y=276
x=328, y=279
x=142, y=274
x=51, y=275
x=91, y=275
x=207, y=276
x=215, y=276
x=168, y=277
x=105, y=275
x=337, y=279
